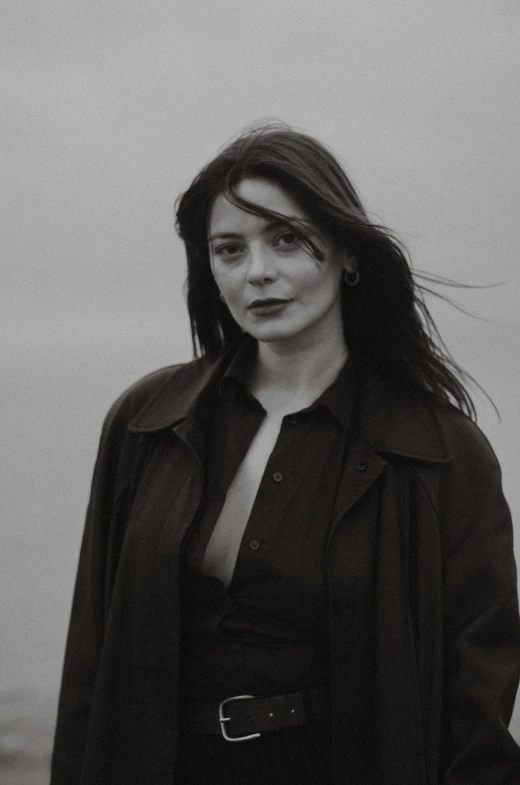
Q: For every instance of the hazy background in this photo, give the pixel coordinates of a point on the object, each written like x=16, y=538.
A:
x=108, y=111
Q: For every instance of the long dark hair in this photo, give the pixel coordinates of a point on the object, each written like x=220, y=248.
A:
x=386, y=320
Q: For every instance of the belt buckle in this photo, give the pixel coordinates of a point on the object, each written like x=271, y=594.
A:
x=223, y=719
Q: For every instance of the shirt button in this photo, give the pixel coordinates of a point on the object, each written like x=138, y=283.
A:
x=278, y=476
x=254, y=545
x=362, y=466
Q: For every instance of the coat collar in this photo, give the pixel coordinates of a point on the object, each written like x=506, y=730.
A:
x=179, y=397
x=400, y=422
x=391, y=421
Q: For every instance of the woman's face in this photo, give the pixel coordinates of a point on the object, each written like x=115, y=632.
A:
x=274, y=287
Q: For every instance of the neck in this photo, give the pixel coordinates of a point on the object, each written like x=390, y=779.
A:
x=288, y=375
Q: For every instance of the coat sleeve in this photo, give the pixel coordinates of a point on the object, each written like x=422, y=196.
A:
x=481, y=622
x=85, y=634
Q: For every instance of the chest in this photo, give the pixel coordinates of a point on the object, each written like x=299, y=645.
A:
x=243, y=488
x=270, y=482
x=222, y=549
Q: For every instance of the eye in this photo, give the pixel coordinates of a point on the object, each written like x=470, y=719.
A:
x=228, y=251
x=288, y=240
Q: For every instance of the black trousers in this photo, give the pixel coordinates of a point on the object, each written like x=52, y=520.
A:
x=295, y=756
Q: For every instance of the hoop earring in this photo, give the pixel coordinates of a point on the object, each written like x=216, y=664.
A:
x=221, y=297
x=351, y=278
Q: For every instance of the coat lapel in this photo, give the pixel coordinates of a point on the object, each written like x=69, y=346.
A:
x=387, y=424
x=361, y=470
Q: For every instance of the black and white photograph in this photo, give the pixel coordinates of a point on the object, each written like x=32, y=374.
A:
x=259, y=317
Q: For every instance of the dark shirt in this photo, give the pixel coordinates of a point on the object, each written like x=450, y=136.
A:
x=267, y=632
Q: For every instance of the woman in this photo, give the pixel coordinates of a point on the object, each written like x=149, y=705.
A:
x=305, y=514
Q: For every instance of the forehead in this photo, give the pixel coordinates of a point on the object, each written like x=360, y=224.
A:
x=226, y=216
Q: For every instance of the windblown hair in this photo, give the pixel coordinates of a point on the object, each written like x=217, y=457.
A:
x=386, y=320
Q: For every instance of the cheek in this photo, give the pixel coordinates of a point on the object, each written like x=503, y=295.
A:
x=225, y=280
x=321, y=284
x=218, y=270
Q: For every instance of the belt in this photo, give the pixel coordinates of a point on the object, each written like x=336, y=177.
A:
x=244, y=717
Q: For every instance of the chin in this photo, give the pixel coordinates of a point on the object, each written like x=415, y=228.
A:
x=271, y=332
x=274, y=336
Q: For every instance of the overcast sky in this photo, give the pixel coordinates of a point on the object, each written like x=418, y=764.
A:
x=109, y=110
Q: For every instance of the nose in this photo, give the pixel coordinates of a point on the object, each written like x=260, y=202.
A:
x=261, y=267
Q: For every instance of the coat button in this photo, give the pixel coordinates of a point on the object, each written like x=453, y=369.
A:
x=254, y=545
x=362, y=466
x=278, y=476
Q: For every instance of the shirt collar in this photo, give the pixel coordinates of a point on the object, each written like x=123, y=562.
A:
x=240, y=365
x=338, y=398
x=390, y=419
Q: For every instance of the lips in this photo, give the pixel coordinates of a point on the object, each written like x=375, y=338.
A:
x=268, y=301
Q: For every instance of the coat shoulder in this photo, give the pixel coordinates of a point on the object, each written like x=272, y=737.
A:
x=464, y=440
x=142, y=393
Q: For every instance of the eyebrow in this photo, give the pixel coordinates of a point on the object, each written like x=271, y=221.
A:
x=265, y=230
x=224, y=236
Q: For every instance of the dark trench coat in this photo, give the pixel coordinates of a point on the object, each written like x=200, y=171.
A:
x=423, y=610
